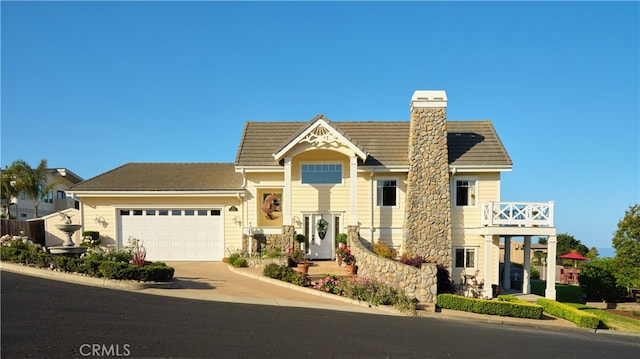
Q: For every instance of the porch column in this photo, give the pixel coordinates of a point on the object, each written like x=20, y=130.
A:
x=286, y=193
x=506, y=268
x=526, y=285
x=550, y=292
x=488, y=260
x=353, y=193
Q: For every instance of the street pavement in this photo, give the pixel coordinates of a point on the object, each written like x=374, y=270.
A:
x=216, y=281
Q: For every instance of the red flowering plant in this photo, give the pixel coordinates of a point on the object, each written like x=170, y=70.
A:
x=343, y=251
x=296, y=255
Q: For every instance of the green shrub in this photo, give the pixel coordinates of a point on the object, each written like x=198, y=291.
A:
x=156, y=272
x=95, y=235
x=113, y=270
x=507, y=307
x=375, y=292
x=341, y=238
x=286, y=274
x=383, y=250
x=581, y=318
x=234, y=257
x=598, y=280
x=240, y=262
x=535, y=273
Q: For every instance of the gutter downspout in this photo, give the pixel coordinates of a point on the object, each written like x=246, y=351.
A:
x=372, y=204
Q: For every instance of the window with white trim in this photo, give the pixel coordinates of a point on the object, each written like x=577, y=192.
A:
x=464, y=257
x=387, y=192
x=466, y=192
x=321, y=173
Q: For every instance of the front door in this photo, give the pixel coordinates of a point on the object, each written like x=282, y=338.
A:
x=321, y=242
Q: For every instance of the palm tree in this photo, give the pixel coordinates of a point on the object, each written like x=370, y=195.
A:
x=32, y=181
x=9, y=189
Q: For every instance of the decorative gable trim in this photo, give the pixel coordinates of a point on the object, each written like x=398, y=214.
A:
x=321, y=134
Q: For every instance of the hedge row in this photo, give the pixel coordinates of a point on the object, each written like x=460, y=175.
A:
x=581, y=318
x=505, y=307
x=153, y=272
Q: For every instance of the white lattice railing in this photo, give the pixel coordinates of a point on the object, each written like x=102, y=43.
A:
x=517, y=214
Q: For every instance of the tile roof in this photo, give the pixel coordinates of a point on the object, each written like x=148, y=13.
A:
x=471, y=143
x=165, y=177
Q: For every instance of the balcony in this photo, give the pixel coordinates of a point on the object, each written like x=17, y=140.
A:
x=517, y=214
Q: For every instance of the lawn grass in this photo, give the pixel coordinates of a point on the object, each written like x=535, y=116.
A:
x=565, y=293
x=612, y=321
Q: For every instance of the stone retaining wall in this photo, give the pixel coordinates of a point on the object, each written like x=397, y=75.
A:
x=256, y=262
x=421, y=284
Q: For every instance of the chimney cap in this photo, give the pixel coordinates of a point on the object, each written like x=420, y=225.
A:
x=428, y=99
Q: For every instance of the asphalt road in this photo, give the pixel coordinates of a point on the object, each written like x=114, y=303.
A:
x=52, y=319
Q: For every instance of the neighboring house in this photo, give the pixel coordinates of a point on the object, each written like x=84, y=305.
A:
x=54, y=201
x=428, y=186
x=536, y=254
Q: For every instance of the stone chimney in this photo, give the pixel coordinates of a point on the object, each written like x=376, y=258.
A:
x=428, y=203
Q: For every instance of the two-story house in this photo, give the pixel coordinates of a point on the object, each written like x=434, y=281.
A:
x=53, y=201
x=427, y=186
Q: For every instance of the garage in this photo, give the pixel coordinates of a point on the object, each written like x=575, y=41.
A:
x=176, y=234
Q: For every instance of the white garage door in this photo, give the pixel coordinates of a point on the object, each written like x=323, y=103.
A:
x=175, y=234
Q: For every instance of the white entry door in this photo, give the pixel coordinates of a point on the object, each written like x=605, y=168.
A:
x=321, y=245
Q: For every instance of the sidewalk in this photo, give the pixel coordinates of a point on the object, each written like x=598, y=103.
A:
x=218, y=281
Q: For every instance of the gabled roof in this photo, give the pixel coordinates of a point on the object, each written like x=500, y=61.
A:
x=319, y=130
x=165, y=177
x=471, y=143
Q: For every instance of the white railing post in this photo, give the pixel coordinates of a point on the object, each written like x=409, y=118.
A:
x=550, y=219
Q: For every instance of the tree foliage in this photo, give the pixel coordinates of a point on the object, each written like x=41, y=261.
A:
x=626, y=241
x=568, y=243
x=598, y=280
x=9, y=189
x=33, y=182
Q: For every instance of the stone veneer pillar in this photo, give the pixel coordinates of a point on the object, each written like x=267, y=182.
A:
x=428, y=198
x=287, y=235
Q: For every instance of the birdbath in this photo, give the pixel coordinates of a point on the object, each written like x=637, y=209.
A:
x=69, y=229
x=68, y=247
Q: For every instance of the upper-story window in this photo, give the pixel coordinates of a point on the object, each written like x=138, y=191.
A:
x=466, y=192
x=322, y=173
x=48, y=197
x=61, y=195
x=387, y=191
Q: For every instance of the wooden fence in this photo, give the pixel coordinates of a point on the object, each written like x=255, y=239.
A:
x=33, y=229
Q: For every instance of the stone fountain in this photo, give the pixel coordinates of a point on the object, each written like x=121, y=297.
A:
x=67, y=247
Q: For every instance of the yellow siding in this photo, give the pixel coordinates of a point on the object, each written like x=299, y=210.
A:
x=488, y=186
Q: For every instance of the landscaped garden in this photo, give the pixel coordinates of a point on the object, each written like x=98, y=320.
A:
x=124, y=264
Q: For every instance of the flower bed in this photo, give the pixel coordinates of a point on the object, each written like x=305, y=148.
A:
x=362, y=288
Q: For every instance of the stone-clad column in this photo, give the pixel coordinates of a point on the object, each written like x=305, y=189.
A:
x=428, y=204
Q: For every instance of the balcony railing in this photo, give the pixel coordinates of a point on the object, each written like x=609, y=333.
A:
x=522, y=214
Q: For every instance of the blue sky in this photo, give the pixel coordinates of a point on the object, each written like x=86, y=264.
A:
x=90, y=85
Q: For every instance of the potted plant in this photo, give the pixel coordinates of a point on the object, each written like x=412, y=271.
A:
x=321, y=227
x=296, y=255
x=300, y=238
x=341, y=240
x=341, y=252
x=350, y=264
